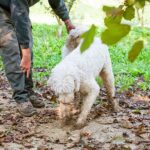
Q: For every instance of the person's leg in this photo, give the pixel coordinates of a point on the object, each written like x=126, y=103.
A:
x=10, y=52
x=11, y=58
x=35, y=99
x=29, y=80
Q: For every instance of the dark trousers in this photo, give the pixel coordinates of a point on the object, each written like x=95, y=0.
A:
x=11, y=55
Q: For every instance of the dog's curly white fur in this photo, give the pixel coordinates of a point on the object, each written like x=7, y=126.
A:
x=77, y=72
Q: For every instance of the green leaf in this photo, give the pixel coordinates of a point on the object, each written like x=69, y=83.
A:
x=140, y=4
x=136, y=49
x=111, y=20
x=137, y=111
x=129, y=2
x=129, y=13
x=115, y=33
x=88, y=38
x=113, y=15
x=113, y=11
x=108, y=9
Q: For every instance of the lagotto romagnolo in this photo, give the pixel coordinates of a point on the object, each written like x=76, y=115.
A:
x=77, y=73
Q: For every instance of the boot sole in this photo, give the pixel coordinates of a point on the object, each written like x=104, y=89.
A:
x=41, y=106
x=27, y=115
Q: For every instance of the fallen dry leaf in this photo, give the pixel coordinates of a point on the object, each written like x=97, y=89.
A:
x=42, y=148
x=126, y=124
x=140, y=98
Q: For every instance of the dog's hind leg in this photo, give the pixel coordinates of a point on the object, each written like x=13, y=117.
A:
x=91, y=88
x=108, y=79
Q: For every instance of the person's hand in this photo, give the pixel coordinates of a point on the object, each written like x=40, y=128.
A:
x=26, y=61
x=69, y=25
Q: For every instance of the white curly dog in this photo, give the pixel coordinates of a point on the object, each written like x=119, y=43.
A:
x=77, y=73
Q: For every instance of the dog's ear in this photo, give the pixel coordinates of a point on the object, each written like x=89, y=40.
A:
x=70, y=39
x=72, y=42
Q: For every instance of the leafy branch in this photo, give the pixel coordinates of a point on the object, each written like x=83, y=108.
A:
x=115, y=29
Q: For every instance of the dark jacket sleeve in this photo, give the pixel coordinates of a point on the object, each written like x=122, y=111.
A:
x=20, y=17
x=59, y=8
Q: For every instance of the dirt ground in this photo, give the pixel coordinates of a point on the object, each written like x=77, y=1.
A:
x=105, y=130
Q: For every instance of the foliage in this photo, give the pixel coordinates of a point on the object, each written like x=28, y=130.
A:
x=88, y=38
x=135, y=50
x=113, y=34
x=115, y=29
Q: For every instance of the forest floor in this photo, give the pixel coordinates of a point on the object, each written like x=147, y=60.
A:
x=105, y=130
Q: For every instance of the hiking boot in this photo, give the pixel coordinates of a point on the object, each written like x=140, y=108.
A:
x=36, y=100
x=26, y=109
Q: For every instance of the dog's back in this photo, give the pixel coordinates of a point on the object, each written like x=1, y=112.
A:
x=91, y=60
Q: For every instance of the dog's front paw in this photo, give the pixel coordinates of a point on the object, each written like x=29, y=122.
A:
x=80, y=124
x=117, y=108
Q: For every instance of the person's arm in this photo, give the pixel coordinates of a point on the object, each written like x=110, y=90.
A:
x=20, y=16
x=60, y=9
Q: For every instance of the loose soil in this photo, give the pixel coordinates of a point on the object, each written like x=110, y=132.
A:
x=105, y=130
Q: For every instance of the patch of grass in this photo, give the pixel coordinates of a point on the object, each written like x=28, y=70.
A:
x=47, y=49
x=47, y=53
x=126, y=73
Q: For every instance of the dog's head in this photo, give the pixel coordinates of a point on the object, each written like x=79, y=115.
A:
x=74, y=38
x=64, y=90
